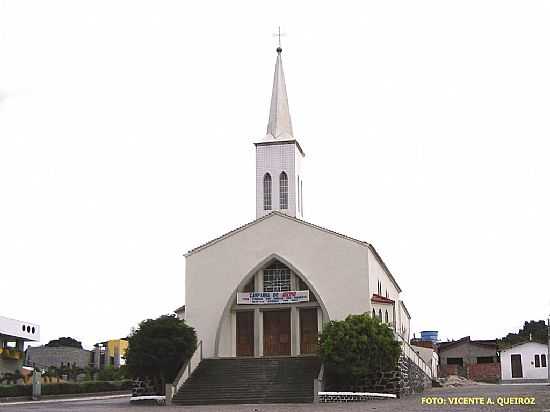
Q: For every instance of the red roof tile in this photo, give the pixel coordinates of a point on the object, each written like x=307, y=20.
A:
x=381, y=299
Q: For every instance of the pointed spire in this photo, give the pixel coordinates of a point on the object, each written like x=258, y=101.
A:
x=279, y=125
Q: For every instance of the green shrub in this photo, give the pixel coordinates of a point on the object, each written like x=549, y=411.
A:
x=356, y=347
x=15, y=390
x=112, y=374
x=67, y=388
x=85, y=387
x=159, y=348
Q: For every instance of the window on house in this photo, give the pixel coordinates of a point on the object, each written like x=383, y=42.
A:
x=537, y=361
x=387, y=317
x=485, y=359
x=283, y=190
x=276, y=278
x=543, y=360
x=373, y=313
x=380, y=315
x=454, y=361
x=267, y=191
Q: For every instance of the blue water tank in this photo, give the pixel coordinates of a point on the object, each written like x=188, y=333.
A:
x=430, y=335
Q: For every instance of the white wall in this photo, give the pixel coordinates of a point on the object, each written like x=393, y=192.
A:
x=274, y=159
x=20, y=329
x=404, y=323
x=429, y=356
x=299, y=170
x=334, y=266
x=384, y=307
x=527, y=351
x=376, y=273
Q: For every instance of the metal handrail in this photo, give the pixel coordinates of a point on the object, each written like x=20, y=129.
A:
x=413, y=355
x=188, y=368
x=318, y=384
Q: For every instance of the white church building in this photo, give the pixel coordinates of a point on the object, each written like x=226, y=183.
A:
x=268, y=287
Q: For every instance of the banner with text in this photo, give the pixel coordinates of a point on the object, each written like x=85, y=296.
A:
x=266, y=298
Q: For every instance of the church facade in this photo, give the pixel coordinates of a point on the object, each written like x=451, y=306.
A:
x=268, y=287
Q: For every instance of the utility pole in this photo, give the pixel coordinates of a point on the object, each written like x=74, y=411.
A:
x=548, y=354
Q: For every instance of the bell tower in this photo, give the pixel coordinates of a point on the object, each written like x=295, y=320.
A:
x=279, y=157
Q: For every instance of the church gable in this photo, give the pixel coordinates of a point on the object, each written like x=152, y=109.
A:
x=271, y=215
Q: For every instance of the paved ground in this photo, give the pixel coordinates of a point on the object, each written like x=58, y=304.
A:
x=444, y=399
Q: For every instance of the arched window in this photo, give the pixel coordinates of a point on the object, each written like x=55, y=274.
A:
x=276, y=277
x=267, y=191
x=380, y=315
x=283, y=188
x=373, y=313
x=387, y=317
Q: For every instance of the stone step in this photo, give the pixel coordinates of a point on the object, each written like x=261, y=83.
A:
x=250, y=381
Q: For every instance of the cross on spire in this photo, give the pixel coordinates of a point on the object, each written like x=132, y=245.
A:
x=278, y=35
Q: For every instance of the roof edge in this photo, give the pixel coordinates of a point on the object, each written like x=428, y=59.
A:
x=275, y=142
x=405, y=308
x=384, y=266
x=273, y=213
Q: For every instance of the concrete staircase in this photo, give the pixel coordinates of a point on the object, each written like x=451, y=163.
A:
x=250, y=381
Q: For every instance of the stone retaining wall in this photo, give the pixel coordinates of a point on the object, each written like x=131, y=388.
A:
x=407, y=379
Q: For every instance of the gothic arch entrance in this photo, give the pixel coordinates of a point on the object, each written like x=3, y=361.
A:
x=261, y=320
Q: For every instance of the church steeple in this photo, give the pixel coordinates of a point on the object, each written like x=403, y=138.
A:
x=280, y=125
x=279, y=169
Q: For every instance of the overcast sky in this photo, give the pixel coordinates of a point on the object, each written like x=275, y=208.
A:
x=126, y=131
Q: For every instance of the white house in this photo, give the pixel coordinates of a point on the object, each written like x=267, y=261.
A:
x=267, y=287
x=13, y=335
x=524, y=362
x=428, y=355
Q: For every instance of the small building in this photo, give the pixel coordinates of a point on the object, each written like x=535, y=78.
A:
x=45, y=357
x=427, y=350
x=473, y=359
x=524, y=362
x=13, y=335
x=109, y=353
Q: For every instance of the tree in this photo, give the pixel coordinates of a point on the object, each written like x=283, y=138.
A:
x=357, y=346
x=66, y=342
x=158, y=348
x=535, y=330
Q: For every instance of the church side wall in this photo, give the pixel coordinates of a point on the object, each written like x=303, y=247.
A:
x=377, y=272
x=405, y=322
x=335, y=267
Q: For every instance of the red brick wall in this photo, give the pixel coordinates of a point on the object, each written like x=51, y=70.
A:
x=484, y=372
x=447, y=370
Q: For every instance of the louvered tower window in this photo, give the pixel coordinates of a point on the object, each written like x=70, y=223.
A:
x=267, y=191
x=283, y=187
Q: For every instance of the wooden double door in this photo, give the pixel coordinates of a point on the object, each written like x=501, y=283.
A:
x=245, y=333
x=277, y=339
x=277, y=332
x=308, y=331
